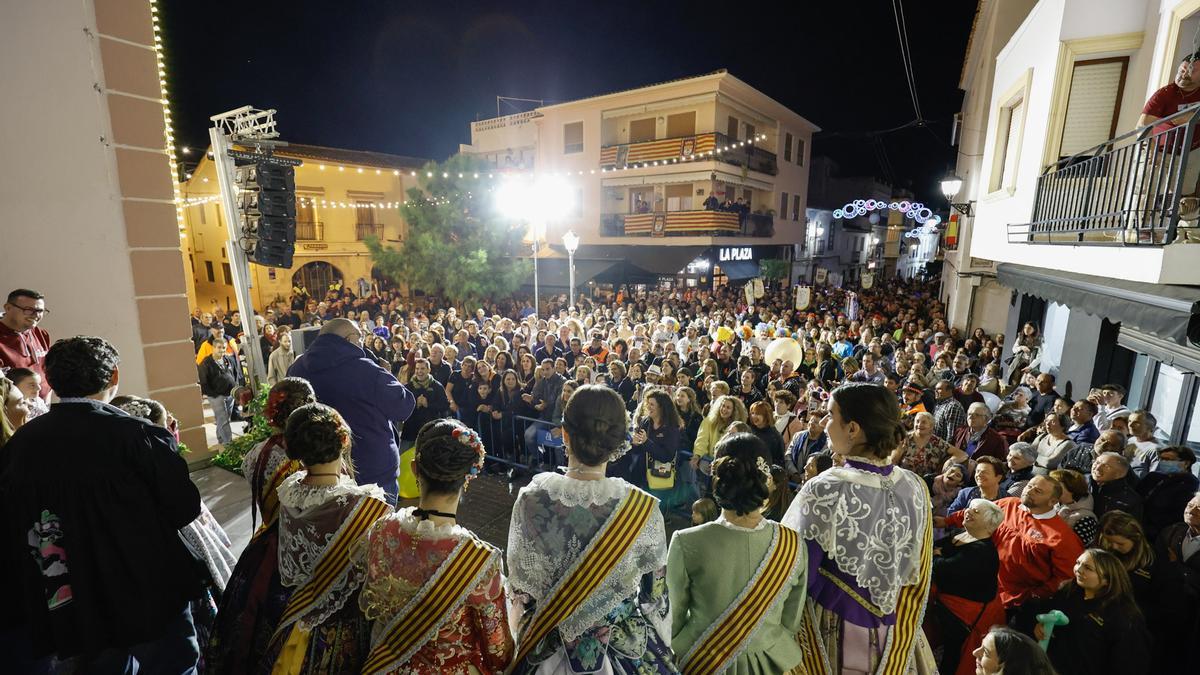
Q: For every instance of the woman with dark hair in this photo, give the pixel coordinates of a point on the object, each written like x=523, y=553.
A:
x=410, y=559
x=737, y=583
x=762, y=424
x=689, y=413
x=323, y=517
x=869, y=566
x=989, y=473
x=1005, y=650
x=254, y=597
x=526, y=372
x=1076, y=505
x=656, y=443
x=587, y=556
x=1105, y=632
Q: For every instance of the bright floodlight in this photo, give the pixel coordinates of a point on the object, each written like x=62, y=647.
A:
x=571, y=241
x=951, y=184
x=548, y=198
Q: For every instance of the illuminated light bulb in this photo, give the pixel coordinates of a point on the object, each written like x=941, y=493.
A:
x=341, y=168
x=205, y=179
x=377, y=172
x=360, y=169
x=396, y=172
x=412, y=173
x=429, y=174
x=321, y=167
x=477, y=175
x=445, y=175
x=460, y=175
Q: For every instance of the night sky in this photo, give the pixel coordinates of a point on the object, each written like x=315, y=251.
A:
x=408, y=77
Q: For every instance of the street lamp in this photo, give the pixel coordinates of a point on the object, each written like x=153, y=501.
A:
x=571, y=241
x=536, y=202
x=951, y=185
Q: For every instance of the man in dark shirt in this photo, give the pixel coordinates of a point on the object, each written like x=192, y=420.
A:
x=548, y=350
x=1043, y=401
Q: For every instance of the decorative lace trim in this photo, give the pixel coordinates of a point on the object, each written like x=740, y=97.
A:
x=425, y=529
x=545, y=548
x=301, y=496
x=865, y=527
x=762, y=525
x=574, y=492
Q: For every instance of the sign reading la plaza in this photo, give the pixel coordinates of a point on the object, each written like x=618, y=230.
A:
x=736, y=253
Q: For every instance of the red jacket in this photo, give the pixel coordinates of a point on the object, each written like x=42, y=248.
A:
x=1036, y=555
x=25, y=350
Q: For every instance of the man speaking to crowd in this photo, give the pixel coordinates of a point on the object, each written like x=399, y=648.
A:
x=369, y=397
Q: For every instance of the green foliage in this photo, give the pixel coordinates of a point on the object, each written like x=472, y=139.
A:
x=458, y=246
x=773, y=268
x=258, y=430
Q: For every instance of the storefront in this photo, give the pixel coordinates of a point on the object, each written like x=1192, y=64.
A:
x=721, y=265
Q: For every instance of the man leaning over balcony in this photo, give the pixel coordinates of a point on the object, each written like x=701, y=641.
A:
x=1167, y=101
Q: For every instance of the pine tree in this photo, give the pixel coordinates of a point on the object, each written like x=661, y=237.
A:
x=458, y=246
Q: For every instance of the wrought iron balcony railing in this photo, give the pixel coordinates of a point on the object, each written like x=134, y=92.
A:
x=310, y=230
x=364, y=230
x=1132, y=190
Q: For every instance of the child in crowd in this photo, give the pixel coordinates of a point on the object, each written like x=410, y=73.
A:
x=704, y=511
x=30, y=383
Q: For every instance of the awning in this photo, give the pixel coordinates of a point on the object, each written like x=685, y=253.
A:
x=1170, y=312
x=739, y=269
x=554, y=273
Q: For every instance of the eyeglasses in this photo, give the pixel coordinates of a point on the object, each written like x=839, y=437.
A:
x=32, y=311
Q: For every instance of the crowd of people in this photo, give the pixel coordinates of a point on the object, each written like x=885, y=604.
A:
x=712, y=486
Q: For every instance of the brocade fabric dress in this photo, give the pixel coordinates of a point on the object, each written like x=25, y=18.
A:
x=403, y=552
x=622, y=627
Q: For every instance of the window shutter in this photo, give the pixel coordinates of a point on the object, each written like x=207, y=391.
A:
x=1092, y=105
x=1013, y=145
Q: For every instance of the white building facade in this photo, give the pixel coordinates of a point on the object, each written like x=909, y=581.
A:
x=645, y=162
x=1074, y=210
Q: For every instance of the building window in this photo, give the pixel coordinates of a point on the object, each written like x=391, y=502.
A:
x=1093, y=104
x=198, y=242
x=227, y=273
x=642, y=130
x=681, y=124
x=796, y=207
x=800, y=151
x=203, y=218
x=783, y=204
x=1164, y=399
x=787, y=147
x=192, y=262
x=749, y=131
x=573, y=138
x=208, y=269
x=1008, y=145
x=731, y=129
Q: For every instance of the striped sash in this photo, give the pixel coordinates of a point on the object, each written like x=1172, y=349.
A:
x=608, y=547
x=268, y=490
x=333, y=563
x=727, y=637
x=424, y=615
x=898, y=651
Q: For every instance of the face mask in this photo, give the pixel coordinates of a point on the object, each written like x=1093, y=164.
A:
x=1170, y=466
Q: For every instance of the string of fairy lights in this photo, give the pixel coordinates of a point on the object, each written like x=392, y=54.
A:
x=168, y=129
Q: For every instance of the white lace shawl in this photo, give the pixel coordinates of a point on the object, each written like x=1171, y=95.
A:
x=306, y=528
x=872, y=526
x=553, y=521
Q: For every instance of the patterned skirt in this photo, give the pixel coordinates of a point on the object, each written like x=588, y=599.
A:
x=249, y=609
x=850, y=649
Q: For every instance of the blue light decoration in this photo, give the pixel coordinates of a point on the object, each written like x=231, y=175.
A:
x=915, y=210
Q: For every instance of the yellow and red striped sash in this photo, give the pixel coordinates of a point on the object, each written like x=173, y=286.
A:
x=269, y=497
x=423, y=616
x=333, y=562
x=610, y=545
x=725, y=639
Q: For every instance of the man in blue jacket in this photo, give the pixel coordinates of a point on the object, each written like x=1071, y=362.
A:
x=370, y=398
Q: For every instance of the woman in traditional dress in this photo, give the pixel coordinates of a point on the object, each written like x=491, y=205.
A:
x=434, y=590
x=737, y=585
x=323, y=517
x=587, y=557
x=254, y=598
x=868, y=530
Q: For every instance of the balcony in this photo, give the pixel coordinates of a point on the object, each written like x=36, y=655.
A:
x=1123, y=192
x=686, y=224
x=747, y=154
x=310, y=230
x=364, y=230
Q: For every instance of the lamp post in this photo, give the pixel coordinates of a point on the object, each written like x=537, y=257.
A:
x=571, y=241
x=951, y=184
x=536, y=202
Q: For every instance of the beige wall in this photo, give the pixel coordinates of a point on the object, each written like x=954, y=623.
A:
x=91, y=219
x=339, y=246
